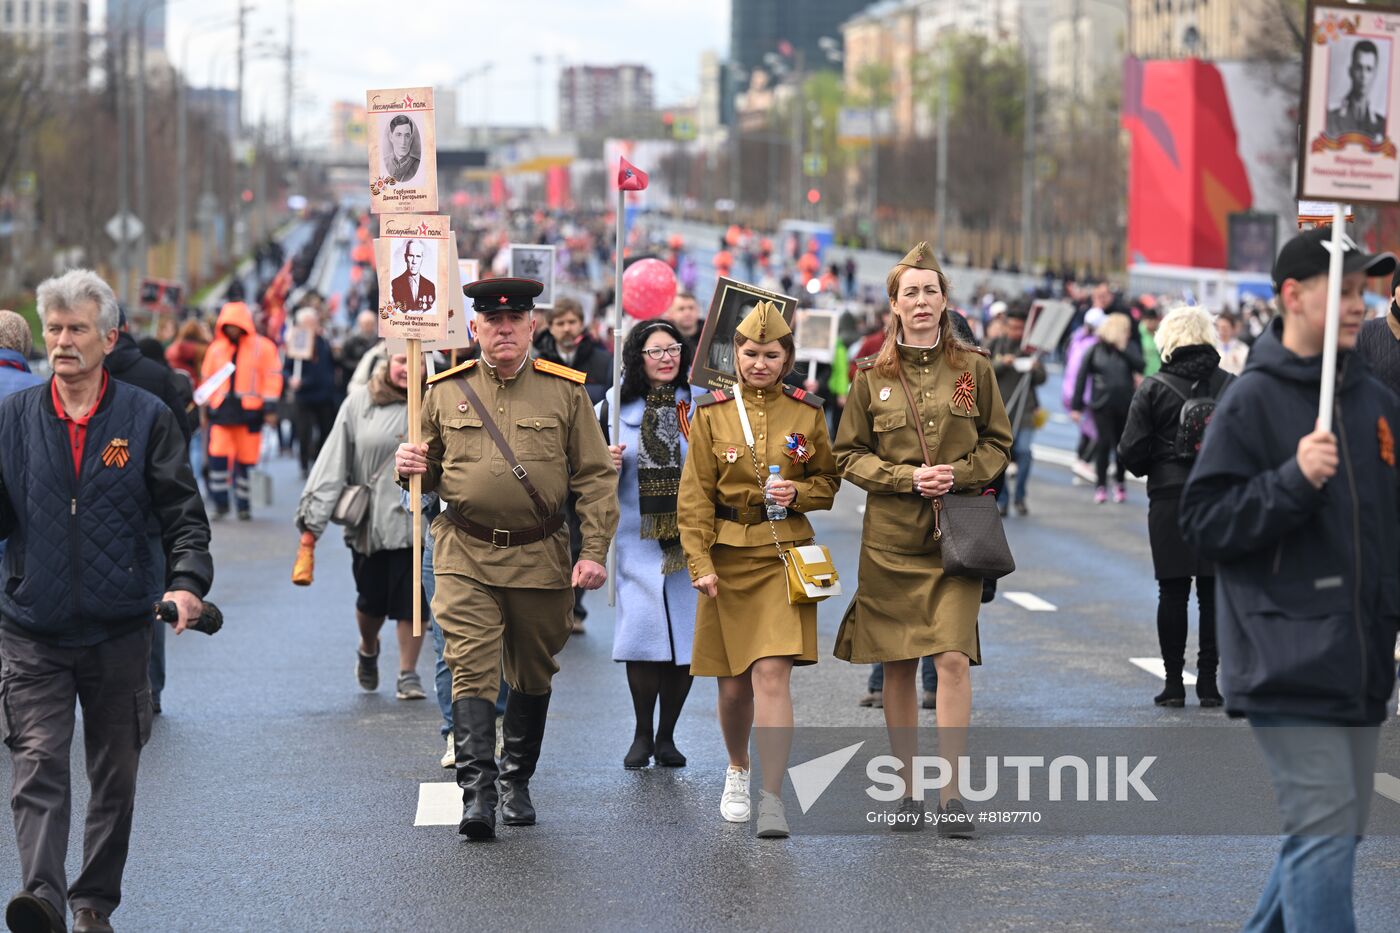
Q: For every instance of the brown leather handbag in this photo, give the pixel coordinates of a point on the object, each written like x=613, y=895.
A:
x=968, y=528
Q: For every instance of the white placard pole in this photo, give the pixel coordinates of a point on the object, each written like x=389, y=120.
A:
x=1334, y=318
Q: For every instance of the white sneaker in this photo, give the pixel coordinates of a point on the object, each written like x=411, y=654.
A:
x=449, y=757
x=772, y=821
x=734, y=805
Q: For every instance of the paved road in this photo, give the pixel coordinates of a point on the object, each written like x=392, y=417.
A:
x=276, y=795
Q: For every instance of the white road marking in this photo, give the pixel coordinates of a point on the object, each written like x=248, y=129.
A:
x=439, y=804
x=1029, y=602
x=1156, y=668
x=1056, y=456
x=1388, y=786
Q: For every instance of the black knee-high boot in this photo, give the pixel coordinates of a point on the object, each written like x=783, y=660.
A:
x=523, y=734
x=1171, y=637
x=1208, y=661
x=474, y=739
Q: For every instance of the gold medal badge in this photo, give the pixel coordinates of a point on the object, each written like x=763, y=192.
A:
x=116, y=454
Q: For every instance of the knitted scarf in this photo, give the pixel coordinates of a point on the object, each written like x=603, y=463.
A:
x=659, y=475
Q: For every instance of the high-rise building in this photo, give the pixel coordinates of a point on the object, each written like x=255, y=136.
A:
x=757, y=27
x=56, y=29
x=1216, y=31
x=596, y=99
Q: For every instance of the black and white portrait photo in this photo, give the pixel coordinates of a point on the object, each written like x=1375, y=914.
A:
x=401, y=147
x=413, y=291
x=732, y=302
x=529, y=261
x=1357, y=79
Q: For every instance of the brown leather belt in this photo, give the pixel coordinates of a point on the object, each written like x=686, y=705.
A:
x=742, y=516
x=504, y=537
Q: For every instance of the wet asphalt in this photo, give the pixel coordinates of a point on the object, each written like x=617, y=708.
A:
x=275, y=794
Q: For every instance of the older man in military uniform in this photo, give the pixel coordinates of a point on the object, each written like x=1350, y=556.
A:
x=507, y=440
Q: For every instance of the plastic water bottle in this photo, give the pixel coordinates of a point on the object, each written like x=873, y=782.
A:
x=776, y=512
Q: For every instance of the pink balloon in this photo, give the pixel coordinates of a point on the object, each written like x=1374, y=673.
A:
x=648, y=288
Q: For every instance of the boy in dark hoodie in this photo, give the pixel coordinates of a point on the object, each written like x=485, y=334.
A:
x=1304, y=526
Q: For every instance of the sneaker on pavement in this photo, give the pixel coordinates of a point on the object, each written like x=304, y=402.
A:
x=244, y=515
x=954, y=822
x=875, y=698
x=1120, y=494
x=576, y=625
x=449, y=757
x=1022, y=509
x=772, y=821
x=367, y=670
x=1100, y=495
x=734, y=805
x=930, y=700
x=908, y=816
x=409, y=686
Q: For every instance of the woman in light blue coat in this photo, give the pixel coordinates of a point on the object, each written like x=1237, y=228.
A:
x=655, y=601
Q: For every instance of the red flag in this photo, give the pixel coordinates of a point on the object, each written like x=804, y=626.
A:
x=630, y=178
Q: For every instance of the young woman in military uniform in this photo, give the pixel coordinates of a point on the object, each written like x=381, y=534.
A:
x=746, y=633
x=923, y=380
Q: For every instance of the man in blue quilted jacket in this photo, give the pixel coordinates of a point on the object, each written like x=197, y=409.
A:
x=86, y=462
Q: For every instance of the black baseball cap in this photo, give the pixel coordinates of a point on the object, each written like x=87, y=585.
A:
x=1308, y=254
x=503, y=294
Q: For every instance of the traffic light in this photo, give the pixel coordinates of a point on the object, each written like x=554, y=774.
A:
x=813, y=195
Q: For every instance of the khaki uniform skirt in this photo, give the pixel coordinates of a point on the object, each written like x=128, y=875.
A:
x=906, y=607
x=750, y=618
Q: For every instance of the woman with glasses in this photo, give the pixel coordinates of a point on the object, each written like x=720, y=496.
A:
x=655, y=603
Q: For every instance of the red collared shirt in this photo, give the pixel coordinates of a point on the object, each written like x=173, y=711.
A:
x=77, y=426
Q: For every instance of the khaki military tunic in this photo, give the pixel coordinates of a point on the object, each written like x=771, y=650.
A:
x=751, y=617
x=905, y=607
x=512, y=604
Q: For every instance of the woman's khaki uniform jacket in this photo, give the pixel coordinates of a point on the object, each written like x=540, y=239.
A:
x=723, y=528
x=720, y=472
x=905, y=607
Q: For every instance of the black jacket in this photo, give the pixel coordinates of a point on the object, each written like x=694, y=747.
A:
x=1308, y=588
x=79, y=568
x=1148, y=445
x=1112, y=371
x=590, y=359
x=127, y=363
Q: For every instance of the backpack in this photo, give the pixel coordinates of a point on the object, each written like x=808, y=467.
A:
x=1196, y=412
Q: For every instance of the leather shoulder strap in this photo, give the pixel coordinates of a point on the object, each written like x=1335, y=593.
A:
x=494, y=430
x=914, y=411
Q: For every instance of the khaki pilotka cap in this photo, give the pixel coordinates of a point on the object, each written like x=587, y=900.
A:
x=765, y=323
x=921, y=257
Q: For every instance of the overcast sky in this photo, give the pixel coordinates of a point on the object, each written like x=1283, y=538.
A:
x=348, y=46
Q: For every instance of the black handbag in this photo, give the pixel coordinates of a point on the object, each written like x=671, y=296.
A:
x=968, y=528
x=973, y=540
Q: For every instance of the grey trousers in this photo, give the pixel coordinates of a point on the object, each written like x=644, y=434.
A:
x=38, y=686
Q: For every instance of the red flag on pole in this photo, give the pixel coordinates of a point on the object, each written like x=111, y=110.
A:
x=630, y=178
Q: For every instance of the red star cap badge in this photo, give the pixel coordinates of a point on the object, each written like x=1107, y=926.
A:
x=503, y=299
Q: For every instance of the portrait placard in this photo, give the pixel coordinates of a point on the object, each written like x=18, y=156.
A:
x=459, y=314
x=402, y=150
x=714, y=354
x=300, y=343
x=814, y=334
x=1048, y=322
x=1347, y=150
x=532, y=261
x=413, y=254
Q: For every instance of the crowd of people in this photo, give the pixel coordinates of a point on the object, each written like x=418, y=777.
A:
x=707, y=496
